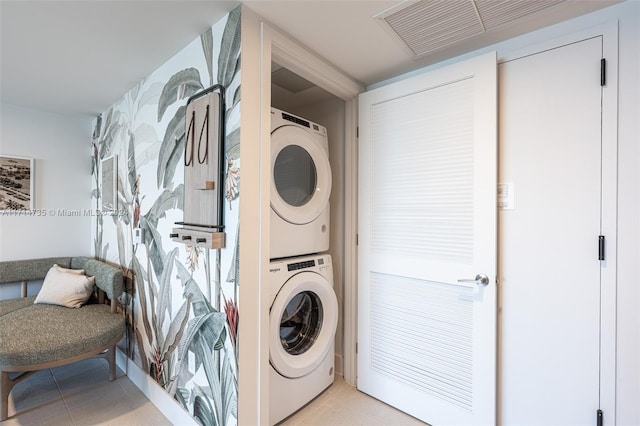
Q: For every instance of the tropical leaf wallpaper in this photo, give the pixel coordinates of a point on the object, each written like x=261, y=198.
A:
x=181, y=302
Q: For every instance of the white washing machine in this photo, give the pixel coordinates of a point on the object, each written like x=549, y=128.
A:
x=300, y=186
x=302, y=327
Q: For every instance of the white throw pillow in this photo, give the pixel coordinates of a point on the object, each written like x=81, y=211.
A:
x=71, y=271
x=65, y=288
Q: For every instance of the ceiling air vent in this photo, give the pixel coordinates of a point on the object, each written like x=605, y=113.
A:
x=427, y=26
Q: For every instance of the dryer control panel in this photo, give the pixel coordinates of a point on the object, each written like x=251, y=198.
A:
x=321, y=130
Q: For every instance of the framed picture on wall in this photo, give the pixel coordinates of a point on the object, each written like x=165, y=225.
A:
x=16, y=183
x=109, y=191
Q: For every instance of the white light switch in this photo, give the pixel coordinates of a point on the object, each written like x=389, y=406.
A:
x=506, y=199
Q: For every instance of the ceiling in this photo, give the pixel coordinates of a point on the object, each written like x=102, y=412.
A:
x=79, y=57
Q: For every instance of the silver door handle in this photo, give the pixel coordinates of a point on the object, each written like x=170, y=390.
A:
x=479, y=279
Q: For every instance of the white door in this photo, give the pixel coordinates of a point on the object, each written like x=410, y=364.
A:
x=550, y=155
x=427, y=219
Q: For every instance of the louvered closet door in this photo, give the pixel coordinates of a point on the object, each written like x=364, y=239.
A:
x=427, y=219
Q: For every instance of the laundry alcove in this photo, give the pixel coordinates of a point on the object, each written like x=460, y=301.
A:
x=326, y=96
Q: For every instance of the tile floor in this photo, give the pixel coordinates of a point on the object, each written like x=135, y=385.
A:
x=342, y=404
x=80, y=394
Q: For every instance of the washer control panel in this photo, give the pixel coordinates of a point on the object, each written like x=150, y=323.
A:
x=301, y=265
x=320, y=262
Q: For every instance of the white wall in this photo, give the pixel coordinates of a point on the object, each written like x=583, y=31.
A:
x=627, y=15
x=330, y=113
x=628, y=362
x=60, y=146
x=253, y=374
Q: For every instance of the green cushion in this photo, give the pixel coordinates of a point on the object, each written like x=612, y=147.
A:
x=38, y=334
x=108, y=278
x=14, y=271
x=11, y=305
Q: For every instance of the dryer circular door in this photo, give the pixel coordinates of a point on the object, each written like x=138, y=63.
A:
x=300, y=175
x=303, y=321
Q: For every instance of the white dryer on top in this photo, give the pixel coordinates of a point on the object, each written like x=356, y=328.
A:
x=300, y=186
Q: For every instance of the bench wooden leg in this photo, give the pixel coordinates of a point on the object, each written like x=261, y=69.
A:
x=6, y=384
x=5, y=387
x=111, y=358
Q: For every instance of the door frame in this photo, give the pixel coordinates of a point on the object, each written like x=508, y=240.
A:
x=278, y=47
x=262, y=43
x=506, y=52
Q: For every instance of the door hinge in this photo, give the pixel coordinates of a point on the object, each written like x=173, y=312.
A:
x=603, y=72
x=357, y=131
x=599, y=418
x=601, y=247
x=357, y=239
x=356, y=347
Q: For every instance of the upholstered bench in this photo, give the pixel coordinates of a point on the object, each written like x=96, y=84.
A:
x=37, y=333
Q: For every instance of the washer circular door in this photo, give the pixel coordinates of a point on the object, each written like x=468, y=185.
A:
x=303, y=321
x=300, y=175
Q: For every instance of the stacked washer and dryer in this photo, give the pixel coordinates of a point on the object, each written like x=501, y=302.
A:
x=304, y=309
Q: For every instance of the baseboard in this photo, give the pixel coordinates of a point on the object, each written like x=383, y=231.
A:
x=339, y=365
x=168, y=406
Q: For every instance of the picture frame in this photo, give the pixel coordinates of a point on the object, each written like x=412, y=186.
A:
x=17, y=183
x=109, y=180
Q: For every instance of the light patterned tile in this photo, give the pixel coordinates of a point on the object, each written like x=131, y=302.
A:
x=80, y=394
x=32, y=393
x=145, y=414
x=90, y=399
x=74, y=378
x=100, y=402
x=52, y=413
x=93, y=400
x=344, y=405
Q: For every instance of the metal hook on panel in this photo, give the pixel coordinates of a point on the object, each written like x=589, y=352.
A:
x=206, y=143
x=188, y=160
